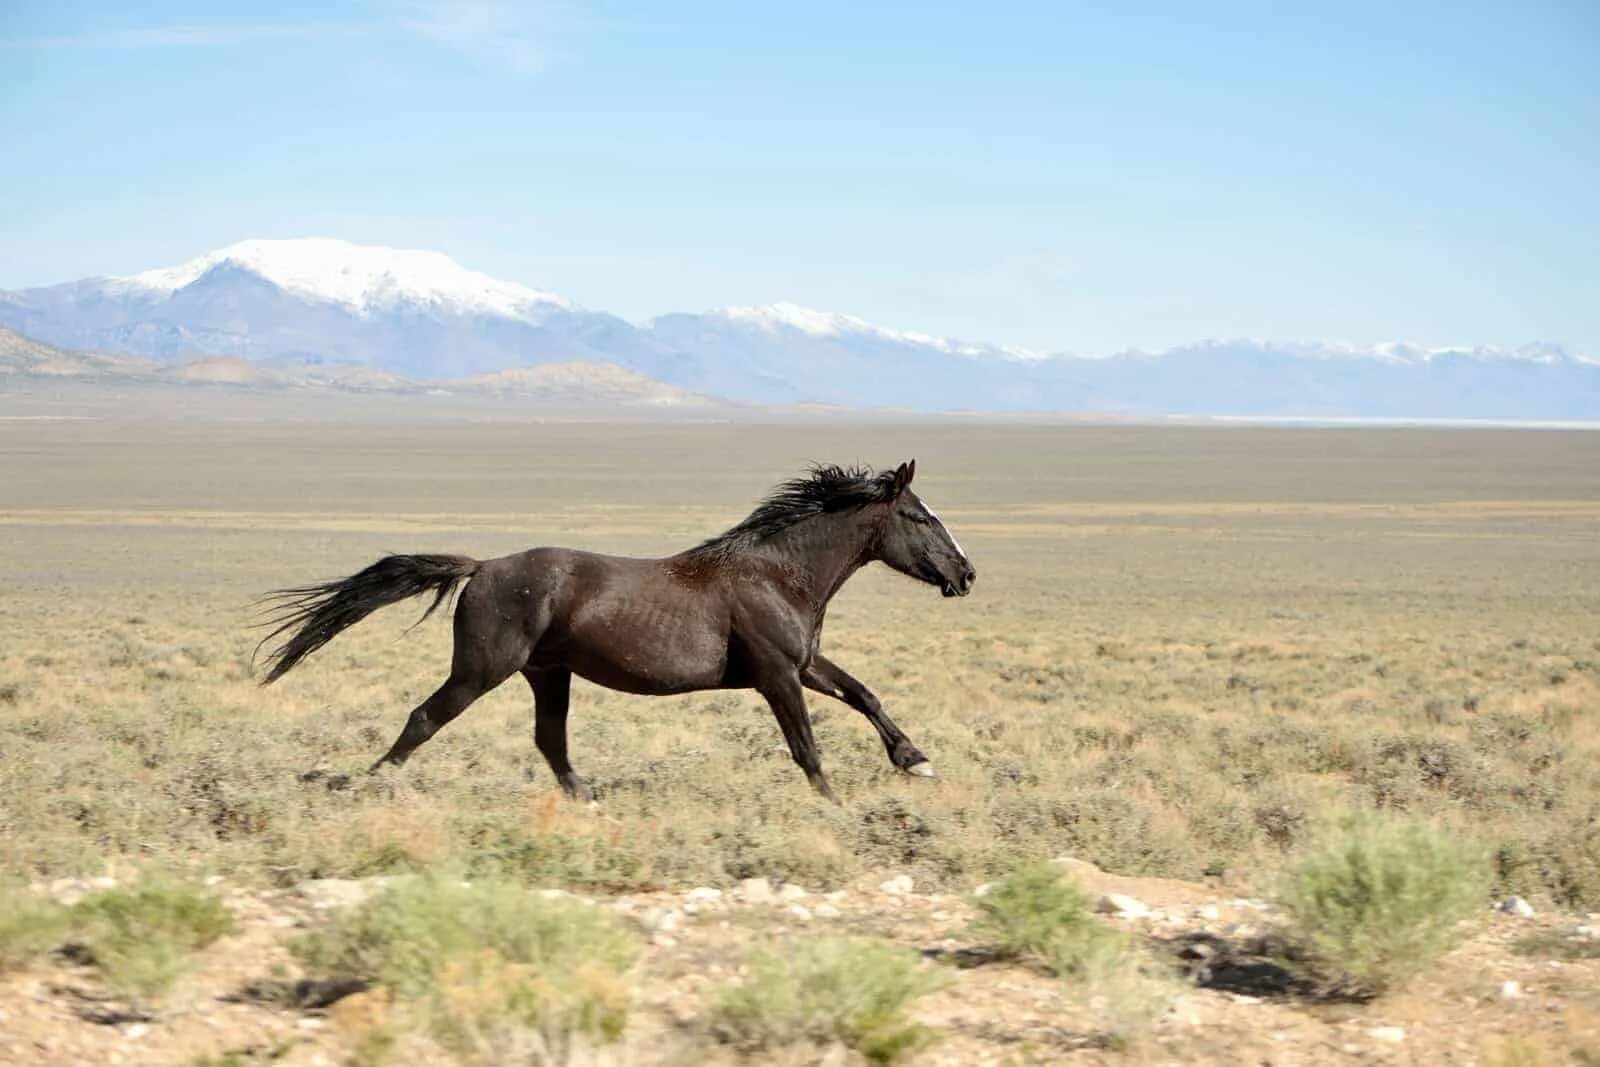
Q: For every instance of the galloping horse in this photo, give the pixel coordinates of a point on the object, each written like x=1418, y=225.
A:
x=743, y=610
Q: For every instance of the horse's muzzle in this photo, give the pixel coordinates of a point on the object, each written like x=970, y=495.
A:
x=961, y=586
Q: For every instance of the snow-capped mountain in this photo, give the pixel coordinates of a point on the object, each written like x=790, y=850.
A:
x=365, y=279
x=318, y=302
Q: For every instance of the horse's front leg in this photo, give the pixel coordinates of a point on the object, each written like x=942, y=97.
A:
x=826, y=677
x=787, y=699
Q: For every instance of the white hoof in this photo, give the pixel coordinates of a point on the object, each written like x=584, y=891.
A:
x=922, y=770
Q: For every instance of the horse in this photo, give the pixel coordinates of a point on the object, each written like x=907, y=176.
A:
x=742, y=610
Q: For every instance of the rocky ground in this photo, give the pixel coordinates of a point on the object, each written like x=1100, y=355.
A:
x=1524, y=989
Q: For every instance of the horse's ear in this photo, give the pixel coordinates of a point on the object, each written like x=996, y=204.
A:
x=903, y=475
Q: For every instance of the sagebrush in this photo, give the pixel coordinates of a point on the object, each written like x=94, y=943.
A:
x=1380, y=898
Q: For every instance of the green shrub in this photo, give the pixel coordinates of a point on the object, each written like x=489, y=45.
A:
x=489, y=970
x=1380, y=899
x=30, y=925
x=140, y=937
x=851, y=991
x=1037, y=913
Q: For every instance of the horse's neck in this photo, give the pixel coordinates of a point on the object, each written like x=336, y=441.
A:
x=824, y=552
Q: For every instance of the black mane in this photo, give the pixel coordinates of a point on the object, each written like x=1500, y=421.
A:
x=821, y=491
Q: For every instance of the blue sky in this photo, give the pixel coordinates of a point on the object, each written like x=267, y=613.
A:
x=1079, y=177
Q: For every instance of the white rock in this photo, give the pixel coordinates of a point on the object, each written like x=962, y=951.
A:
x=1121, y=904
x=836, y=896
x=327, y=893
x=1586, y=933
x=703, y=892
x=826, y=911
x=1208, y=913
x=790, y=891
x=799, y=911
x=137, y=1030
x=1510, y=989
x=1391, y=1034
x=669, y=920
x=755, y=891
x=213, y=879
x=900, y=885
x=1516, y=906
x=983, y=890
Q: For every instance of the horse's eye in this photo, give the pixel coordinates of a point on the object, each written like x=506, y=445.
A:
x=920, y=520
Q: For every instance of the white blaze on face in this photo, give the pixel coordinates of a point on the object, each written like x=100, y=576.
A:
x=934, y=515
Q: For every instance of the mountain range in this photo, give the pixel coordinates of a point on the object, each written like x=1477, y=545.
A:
x=349, y=315
x=559, y=385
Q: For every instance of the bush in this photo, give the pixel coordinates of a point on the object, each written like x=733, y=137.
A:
x=30, y=925
x=490, y=970
x=1037, y=913
x=852, y=991
x=1380, y=899
x=140, y=937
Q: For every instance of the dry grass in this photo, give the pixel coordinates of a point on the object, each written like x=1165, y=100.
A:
x=1186, y=647
x=489, y=971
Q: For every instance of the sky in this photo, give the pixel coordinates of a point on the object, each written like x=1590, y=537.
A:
x=1063, y=176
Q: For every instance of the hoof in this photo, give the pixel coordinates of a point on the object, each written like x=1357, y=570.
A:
x=922, y=770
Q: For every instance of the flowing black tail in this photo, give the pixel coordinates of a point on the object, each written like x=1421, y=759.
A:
x=312, y=615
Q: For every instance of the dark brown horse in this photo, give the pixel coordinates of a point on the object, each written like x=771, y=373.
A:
x=743, y=610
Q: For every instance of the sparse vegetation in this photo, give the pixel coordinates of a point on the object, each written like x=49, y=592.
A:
x=140, y=937
x=1380, y=899
x=855, y=992
x=1037, y=913
x=30, y=925
x=491, y=971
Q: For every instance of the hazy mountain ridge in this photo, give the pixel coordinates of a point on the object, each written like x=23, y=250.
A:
x=375, y=318
x=574, y=383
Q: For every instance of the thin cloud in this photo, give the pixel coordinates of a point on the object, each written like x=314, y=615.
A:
x=183, y=36
x=514, y=37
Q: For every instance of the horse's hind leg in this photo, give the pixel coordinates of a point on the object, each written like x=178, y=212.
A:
x=486, y=654
x=552, y=691
x=432, y=715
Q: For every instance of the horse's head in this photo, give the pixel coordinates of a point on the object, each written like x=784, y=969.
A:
x=913, y=541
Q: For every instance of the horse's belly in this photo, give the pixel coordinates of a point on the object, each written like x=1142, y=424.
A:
x=649, y=651
x=647, y=672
